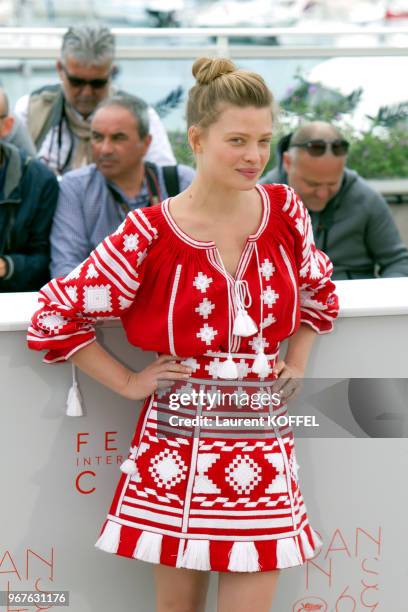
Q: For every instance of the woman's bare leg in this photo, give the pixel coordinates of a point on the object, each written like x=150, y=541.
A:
x=179, y=589
x=246, y=592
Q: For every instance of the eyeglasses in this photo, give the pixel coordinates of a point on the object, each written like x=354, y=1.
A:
x=80, y=83
x=317, y=148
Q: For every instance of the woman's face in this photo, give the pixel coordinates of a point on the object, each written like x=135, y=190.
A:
x=233, y=151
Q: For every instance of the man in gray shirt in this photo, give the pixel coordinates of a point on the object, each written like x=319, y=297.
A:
x=351, y=221
x=95, y=199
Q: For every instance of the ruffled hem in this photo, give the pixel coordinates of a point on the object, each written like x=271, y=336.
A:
x=209, y=555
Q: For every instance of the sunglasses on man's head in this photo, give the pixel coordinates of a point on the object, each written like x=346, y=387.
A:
x=77, y=82
x=317, y=148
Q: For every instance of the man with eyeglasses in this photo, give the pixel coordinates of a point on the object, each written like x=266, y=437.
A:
x=59, y=116
x=28, y=197
x=351, y=222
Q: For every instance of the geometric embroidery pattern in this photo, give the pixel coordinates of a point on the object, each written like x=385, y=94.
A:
x=243, y=368
x=202, y=282
x=51, y=320
x=204, y=308
x=97, y=298
x=258, y=343
x=278, y=484
x=91, y=272
x=243, y=474
x=207, y=334
x=134, y=450
x=168, y=468
x=268, y=321
x=130, y=242
x=124, y=302
x=212, y=367
x=270, y=296
x=191, y=363
x=267, y=269
x=72, y=292
x=202, y=483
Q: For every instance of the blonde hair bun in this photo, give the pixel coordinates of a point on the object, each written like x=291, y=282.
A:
x=206, y=69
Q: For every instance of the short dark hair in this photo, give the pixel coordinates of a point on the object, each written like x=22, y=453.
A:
x=135, y=105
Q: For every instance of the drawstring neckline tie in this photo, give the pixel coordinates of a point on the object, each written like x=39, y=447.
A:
x=244, y=325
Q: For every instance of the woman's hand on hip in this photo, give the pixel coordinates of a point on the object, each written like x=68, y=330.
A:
x=159, y=374
x=288, y=381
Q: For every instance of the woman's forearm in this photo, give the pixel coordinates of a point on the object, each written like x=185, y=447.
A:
x=299, y=346
x=100, y=365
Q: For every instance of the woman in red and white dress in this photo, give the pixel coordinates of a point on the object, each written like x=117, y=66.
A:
x=211, y=280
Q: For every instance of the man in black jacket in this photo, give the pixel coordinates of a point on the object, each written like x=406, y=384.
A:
x=351, y=221
x=28, y=197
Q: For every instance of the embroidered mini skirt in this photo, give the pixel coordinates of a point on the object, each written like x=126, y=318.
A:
x=211, y=480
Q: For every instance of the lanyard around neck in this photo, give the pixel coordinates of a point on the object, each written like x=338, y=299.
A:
x=153, y=189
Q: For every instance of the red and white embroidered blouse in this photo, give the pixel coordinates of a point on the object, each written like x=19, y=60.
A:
x=174, y=295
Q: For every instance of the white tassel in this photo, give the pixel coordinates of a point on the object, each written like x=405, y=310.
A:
x=287, y=553
x=197, y=555
x=307, y=548
x=261, y=365
x=148, y=547
x=110, y=538
x=243, y=557
x=74, y=399
x=244, y=325
x=129, y=465
x=228, y=369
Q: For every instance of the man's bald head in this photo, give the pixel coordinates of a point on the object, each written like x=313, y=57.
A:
x=315, y=130
x=315, y=179
x=6, y=121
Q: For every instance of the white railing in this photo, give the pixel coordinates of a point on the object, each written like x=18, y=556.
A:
x=187, y=43
x=374, y=297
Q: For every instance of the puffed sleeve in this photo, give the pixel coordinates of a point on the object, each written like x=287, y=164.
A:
x=103, y=285
x=319, y=304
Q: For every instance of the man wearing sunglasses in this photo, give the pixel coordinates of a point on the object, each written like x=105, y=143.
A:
x=59, y=116
x=351, y=222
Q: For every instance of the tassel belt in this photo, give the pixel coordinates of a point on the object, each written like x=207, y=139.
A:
x=211, y=366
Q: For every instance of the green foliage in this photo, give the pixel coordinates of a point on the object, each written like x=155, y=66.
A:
x=310, y=100
x=390, y=116
x=181, y=148
x=383, y=156
x=380, y=151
